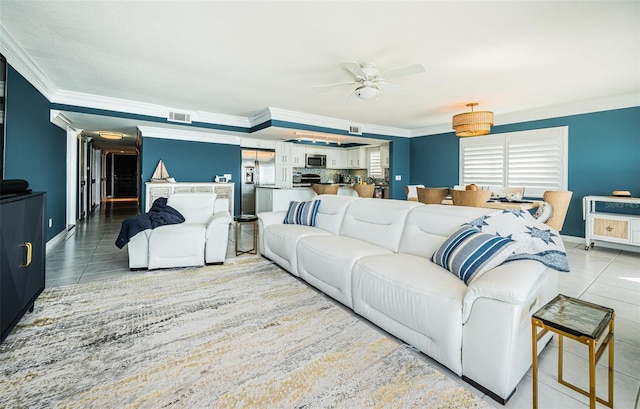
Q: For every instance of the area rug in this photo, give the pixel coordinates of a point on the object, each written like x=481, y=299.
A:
x=245, y=334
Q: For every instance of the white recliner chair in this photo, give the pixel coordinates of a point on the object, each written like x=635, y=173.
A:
x=202, y=238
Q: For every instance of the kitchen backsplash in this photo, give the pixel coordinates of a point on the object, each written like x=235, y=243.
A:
x=330, y=175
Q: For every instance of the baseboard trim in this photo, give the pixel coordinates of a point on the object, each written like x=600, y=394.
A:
x=58, y=238
x=489, y=393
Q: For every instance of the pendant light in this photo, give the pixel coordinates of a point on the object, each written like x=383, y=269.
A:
x=474, y=123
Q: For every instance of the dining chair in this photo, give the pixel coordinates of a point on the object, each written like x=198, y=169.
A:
x=325, y=189
x=432, y=195
x=559, y=201
x=472, y=198
x=412, y=192
x=364, y=190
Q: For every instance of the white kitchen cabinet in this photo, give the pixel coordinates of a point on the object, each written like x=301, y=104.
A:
x=283, y=153
x=315, y=150
x=257, y=143
x=284, y=176
x=384, y=156
x=298, y=153
x=337, y=158
x=357, y=158
x=603, y=225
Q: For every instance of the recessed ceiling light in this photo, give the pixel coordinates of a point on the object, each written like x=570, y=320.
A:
x=111, y=135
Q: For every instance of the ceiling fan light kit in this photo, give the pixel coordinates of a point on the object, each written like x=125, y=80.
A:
x=367, y=91
x=474, y=123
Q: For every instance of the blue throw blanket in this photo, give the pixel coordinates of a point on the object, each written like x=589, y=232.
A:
x=160, y=214
x=538, y=241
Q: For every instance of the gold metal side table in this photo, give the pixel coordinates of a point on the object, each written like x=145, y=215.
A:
x=581, y=321
x=245, y=219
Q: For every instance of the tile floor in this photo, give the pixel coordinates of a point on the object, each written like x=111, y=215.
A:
x=603, y=276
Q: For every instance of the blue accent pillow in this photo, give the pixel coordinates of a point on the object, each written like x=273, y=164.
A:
x=302, y=213
x=469, y=253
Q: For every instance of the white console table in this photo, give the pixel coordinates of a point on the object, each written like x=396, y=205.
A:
x=606, y=226
x=155, y=190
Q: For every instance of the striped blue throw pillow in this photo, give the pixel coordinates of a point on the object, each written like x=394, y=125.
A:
x=469, y=253
x=302, y=213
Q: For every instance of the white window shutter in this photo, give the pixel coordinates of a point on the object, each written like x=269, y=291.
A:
x=375, y=164
x=483, y=162
x=536, y=164
x=536, y=159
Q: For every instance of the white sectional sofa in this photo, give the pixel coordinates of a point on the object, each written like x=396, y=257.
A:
x=374, y=255
x=202, y=238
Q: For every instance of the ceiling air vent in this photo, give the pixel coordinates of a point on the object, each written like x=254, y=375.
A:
x=355, y=129
x=179, y=117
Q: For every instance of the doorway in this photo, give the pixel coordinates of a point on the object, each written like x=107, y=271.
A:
x=124, y=176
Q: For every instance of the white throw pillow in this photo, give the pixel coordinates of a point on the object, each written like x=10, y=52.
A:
x=543, y=212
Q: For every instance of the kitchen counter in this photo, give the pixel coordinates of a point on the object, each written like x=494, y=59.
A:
x=272, y=198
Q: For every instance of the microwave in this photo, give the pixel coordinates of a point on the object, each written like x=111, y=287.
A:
x=315, y=161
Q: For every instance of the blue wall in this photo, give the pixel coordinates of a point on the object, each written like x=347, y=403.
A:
x=35, y=149
x=604, y=155
x=188, y=161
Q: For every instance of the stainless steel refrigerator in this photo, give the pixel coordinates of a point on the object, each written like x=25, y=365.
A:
x=258, y=169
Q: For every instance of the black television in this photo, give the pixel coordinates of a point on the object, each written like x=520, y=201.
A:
x=3, y=94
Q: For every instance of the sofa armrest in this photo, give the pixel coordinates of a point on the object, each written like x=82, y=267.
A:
x=269, y=218
x=220, y=217
x=221, y=205
x=511, y=283
x=266, y=219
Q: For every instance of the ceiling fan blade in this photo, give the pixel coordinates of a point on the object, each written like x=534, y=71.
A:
x=401, y=72
x=355, y=69
x=335, y=84
x=392, y=88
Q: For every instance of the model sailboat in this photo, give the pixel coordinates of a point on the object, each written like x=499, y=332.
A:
x=161, y=174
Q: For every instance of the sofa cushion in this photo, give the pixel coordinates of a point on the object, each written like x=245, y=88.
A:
x=302, y=213
x=413, y=299
x=468, y=252
x=378, y=222
x=430, y=225
x=331, y=212
x=195, y=207
x=280, y=242
x=325, y=262
x=177, y=245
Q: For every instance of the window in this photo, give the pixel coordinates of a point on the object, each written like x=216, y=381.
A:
x=534, y=159
x=375, y=164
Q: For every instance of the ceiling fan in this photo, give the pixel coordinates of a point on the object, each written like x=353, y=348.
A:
x=368, y=78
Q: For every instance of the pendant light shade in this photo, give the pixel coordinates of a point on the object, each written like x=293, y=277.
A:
x=473, y=123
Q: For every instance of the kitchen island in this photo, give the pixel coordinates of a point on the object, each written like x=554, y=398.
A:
x=272, y=198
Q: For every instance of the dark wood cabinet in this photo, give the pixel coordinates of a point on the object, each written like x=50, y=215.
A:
x=22, y=256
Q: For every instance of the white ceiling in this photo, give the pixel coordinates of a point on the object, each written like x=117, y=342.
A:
x=238, y=58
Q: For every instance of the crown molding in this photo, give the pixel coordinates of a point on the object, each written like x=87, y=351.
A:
x=59, y=119
x=260, y=118
x=334, y=123
x=547, y=112
x=183, y=135
x=107, y=103
x=18, y=58
x=223, y=119
x=432, y=130
x=572, y=108
x=142, y=108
